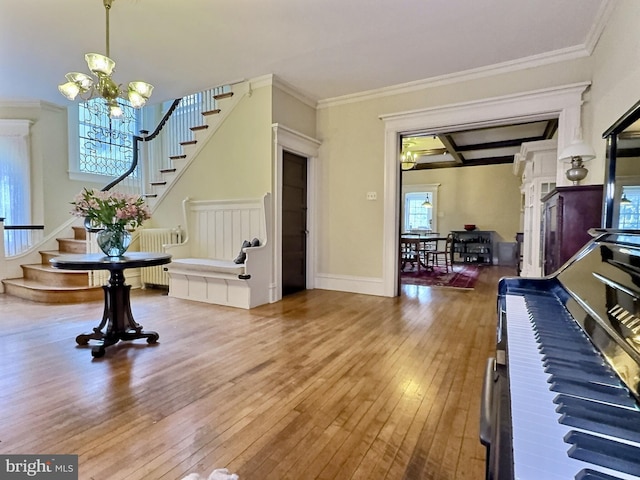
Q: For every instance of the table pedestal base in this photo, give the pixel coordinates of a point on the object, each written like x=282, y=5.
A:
x=117, y=318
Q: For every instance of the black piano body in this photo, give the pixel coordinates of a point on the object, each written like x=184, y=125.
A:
x=560, y=397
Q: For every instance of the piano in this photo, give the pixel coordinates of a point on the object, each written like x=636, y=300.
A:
x=561, y=395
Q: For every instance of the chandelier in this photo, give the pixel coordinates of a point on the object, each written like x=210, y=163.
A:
x=103, y=85
x=408, y=160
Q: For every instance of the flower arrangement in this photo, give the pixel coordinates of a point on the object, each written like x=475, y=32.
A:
x=111, y=210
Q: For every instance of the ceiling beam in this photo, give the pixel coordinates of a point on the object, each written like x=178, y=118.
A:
x=512, y=142
x=452, y=149
x=489, y=161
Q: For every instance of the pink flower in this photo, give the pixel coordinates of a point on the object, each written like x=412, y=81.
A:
x=116, y=209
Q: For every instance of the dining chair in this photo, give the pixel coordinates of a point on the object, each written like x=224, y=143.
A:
x=441, y=258
x=408, y=253
x=428, y=244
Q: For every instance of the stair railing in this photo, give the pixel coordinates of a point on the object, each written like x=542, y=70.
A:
x=175, y=129
x=19, y=238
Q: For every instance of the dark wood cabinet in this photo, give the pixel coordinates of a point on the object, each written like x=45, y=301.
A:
x=568, y=214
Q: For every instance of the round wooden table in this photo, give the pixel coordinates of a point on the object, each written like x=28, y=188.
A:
x=117, y=316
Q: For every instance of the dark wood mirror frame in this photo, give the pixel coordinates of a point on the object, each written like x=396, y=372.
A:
x=612, y=135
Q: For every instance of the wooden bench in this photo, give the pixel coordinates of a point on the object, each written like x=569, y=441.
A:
x=203, y=268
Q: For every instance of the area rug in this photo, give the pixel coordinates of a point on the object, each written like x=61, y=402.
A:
x=462, y=276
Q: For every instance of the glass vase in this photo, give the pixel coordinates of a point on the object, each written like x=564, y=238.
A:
x=113, y=241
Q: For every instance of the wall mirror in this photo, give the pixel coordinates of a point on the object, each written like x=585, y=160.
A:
x=622, y=182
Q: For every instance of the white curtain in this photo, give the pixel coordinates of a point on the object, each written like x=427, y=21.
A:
x=15, y=172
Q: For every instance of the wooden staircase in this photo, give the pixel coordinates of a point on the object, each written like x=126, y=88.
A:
x=209, y=119
x=43, y=283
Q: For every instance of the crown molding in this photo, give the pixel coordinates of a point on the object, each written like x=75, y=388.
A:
x=602, y=17
x=294, y=92
x=261, y=81
x=271, y=80
x=442, y=80
x=16, y=103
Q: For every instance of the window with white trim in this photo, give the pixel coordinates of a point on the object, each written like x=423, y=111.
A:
x=418, y=211
x=629, y=216
x=419, y=208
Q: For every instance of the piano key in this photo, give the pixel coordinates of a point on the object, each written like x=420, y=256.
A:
x=605, y=452
x=593, y=361
x=595, y=391
x=539, y=449
x=611, y=420
x=588, y=374
x=588, y=474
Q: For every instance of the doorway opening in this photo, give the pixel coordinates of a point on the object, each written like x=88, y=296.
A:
x=562, y=102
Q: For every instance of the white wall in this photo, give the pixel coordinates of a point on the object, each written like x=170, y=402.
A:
x=616, y=76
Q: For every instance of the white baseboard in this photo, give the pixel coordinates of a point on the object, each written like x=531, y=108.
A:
x=347, y=283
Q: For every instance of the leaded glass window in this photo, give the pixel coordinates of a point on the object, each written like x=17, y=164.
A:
x=106, y=144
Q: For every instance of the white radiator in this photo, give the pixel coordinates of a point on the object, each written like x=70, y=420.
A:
x=152, y=240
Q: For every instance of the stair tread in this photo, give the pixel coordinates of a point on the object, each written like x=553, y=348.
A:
x=34, y=285
x=220, y=96
x=50, y=268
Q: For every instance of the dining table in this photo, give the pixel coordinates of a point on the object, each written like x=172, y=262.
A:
x=415, y=248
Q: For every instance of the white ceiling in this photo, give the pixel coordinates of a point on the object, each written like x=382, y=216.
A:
x=323, y=48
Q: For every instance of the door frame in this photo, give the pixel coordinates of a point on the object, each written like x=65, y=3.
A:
x=563, y=102
x=285, y=138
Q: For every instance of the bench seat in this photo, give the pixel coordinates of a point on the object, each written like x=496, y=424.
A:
x=207, y=265
x=202, y=267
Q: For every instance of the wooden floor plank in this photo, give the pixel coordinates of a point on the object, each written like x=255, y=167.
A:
x=321, y=385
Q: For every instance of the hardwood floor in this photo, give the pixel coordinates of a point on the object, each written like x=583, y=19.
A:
x=322, y=385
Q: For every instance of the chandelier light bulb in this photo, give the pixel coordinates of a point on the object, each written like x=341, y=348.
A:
x=137, y=100
x=115, y=111
x=143, y=89
x=69, y=90
x=99, y=64
x=85, y=82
